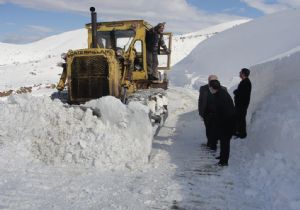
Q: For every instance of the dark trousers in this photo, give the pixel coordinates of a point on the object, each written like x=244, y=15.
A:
x=224, y=149
x=240, y=118
x=211, y=131
x=152, y=63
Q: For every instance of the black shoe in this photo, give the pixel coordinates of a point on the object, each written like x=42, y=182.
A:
x=239, y=135
x=218, y=158
x=222, y=164
x=242, y=136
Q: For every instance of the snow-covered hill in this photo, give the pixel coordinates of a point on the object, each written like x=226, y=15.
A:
x=36, y=62
x=184, y=44
x=49, y=47
x=243, y=46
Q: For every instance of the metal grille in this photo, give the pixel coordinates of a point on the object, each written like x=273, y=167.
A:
x=89, y=78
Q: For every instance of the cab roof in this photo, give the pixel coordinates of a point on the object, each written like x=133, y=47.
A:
x=122, y=24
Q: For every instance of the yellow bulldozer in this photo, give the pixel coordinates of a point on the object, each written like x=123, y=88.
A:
x=114, y=63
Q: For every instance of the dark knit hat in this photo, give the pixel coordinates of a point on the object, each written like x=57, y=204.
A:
x=161, y=24
x=215, y=84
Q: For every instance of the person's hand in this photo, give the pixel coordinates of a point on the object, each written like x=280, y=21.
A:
x=168, y=51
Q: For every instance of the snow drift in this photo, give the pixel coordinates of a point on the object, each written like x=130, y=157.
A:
x=274, y=107
x=271, y=153
x=184, y=44
x=42, y=129
x=242, y=46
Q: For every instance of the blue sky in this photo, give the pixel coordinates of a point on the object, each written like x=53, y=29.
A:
x=30, y=20
x=230, y=6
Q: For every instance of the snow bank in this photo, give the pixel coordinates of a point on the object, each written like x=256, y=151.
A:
x=184, y=44
x=273, y=77
x=275, y=106
x=272, y=162
x=243, y=46
x=54, y=134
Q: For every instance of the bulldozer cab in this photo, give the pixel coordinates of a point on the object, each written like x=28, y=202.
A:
x=128, y=40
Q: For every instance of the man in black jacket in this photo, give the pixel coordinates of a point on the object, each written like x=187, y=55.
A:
x=154, y=40
x=224, y=120
x=207, y=110
x=242, y=100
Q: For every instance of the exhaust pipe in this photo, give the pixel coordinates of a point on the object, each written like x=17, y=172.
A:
x=94, y=27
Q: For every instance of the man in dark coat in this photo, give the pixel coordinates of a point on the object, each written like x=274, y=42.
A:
x=207, y=110
x=225, y=120
x=242, y=100
x=154, y=40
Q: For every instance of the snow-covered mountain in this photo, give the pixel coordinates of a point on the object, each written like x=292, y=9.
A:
x=36, y=62
x=49, y=149
x=49, y=47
